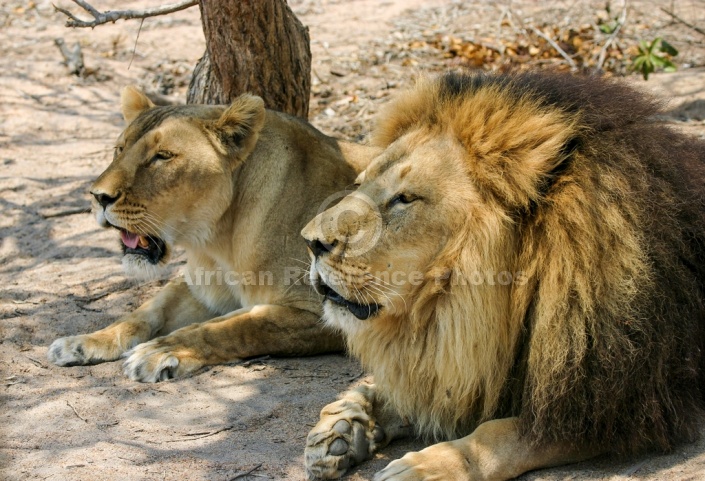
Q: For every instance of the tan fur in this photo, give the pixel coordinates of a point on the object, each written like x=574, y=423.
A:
x=542, y=180
x=232, y=185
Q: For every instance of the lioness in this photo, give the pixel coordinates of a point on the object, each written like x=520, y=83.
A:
x=525, y=278
x=233, y=186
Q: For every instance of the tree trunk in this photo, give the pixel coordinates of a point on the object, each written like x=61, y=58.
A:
x=255, y=46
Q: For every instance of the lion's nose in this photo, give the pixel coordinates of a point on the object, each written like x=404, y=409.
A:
x=105, y=199
x=318, y=247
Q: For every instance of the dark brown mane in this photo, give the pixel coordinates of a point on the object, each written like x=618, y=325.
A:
x=633, y=374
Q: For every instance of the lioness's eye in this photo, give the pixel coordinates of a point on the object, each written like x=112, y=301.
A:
x=162, y=155
x=402, y=198
x=117, y=151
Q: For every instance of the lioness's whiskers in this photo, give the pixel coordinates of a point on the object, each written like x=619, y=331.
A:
x=306, y=263
x=152, y=224
x=307, y=272
x=159, y=221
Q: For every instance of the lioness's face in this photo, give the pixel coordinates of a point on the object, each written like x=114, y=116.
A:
x=170, y=180
x=374, y=248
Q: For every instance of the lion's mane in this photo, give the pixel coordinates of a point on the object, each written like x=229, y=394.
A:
x=601, y=209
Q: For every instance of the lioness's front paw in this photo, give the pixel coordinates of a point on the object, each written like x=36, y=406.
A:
x=344, y=437
x=80, y=350
x=161, y=359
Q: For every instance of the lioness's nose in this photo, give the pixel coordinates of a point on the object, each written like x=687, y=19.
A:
x=105, y=199
x=318, y=247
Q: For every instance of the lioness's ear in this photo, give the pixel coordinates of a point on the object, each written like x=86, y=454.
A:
x=239, y=126
x=134, y=102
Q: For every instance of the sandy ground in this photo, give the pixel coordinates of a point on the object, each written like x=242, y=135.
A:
x=60, y=273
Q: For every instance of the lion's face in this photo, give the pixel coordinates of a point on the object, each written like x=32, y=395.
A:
x=380, y=244
x=171, y=179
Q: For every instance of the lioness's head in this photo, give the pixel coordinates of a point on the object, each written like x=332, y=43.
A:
x=464, y=157
x=171, y=179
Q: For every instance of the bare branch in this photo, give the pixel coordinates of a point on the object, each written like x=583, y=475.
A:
x=603, y=52
x=112, y=16
x=553, y=44
x=678, y=19
x=73, y=57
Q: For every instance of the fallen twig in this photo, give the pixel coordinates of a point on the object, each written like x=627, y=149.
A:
x=36, y=363
x=200, y=435
x=88, y=300
x=65, y=213
x=76, y=412
x=678, y=19
x=553, y=44
x=242, y=475
x=12, y=380
x=106, y=424
x=112, y=16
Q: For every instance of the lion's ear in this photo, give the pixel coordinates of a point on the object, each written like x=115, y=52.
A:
x=239, y=126
x=134, y=102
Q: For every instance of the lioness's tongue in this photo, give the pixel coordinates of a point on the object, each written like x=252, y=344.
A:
x=129, y=239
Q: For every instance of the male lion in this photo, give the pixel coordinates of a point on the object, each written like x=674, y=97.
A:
x=523, y=271
x=233, y=186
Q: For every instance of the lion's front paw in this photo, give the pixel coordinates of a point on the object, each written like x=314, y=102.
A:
x=161, y=359
x=440, y=461
x=344, y=436
x=80, y=350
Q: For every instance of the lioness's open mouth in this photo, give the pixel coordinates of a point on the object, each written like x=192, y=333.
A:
x=151, y=247
x=361, y=311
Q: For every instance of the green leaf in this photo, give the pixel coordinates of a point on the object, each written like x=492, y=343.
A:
x=668, y=48
x=653, y=45
x=647, y=69
x=608, y=28
x=638, y=62
x=658, y=61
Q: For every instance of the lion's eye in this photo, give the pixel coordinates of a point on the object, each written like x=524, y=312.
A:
x=402, y=198
x=117, y=151
x=162, y=155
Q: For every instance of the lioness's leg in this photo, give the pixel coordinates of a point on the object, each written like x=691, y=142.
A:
x=494, y=451
x=247, y=332
x=174, y=304
x=351, y=430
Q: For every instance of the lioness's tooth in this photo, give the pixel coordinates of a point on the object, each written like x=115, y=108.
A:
x=144, y=243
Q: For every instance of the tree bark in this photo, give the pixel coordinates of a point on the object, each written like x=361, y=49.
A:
x=255, y=46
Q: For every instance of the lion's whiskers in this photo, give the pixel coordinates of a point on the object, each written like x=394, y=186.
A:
x=385, y=288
